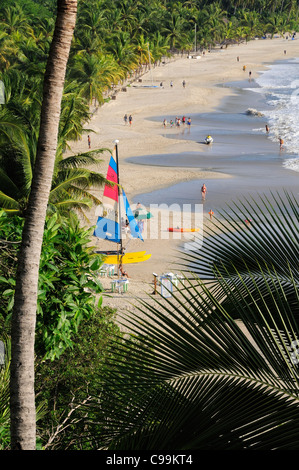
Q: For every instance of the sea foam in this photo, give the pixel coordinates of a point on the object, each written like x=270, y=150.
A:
x=279, y=84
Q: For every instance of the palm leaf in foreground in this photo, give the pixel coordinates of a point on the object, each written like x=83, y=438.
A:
x=213, y=367
x=271, y=238
x=198, y=379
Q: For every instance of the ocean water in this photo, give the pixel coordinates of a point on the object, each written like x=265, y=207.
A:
x=279, y=84
x=241, y=148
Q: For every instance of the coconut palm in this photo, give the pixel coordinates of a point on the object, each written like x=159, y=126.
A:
x=251, y=22
x=123, y=51
x=277, y=25
x=86, y=43
x=176, y=30
x=95, y=74
x=15, y=20
x=22, y=396
x=159, y=46
x=74, y=176
x=216, y=365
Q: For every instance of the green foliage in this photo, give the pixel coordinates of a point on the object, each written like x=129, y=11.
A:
x=69, y=380
x=113, y=42
x=68, y=276
x=68, y=281
x=216, y=365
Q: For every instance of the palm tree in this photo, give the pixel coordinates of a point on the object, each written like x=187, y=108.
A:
x=19, y=122
x=15, y=20
x=251, y=22
x=159, y=46
x=22, y=396
x=86, y=43
x=73, y=177
x=123, y=51
x=212, y=20
x=95, y=74
x=277, y=24
x=176, y=30
x=215, y=367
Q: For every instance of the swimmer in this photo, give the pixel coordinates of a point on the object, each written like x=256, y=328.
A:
x=203, y=192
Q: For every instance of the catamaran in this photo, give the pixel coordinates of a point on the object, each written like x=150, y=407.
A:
x=117, y=216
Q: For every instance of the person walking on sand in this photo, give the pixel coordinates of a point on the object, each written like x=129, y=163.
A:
x=203, y=192
x=88, y=141
x=171, y=83
x=126, y=119
x=130, y=120
x=184, y=84
x=211, y=213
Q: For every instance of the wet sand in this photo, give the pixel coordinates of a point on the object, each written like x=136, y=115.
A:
x=169, y=164
x=241, y=152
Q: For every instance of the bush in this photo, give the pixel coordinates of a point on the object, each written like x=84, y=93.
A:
x=68, y=284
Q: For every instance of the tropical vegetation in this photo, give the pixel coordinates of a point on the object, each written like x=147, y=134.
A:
x=113, y=43
x=217, y=365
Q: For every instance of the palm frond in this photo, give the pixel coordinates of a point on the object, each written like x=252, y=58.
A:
x=199, y=379
x=216, y=365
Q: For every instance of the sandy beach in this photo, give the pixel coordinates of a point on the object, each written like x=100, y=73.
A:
x=205, y=92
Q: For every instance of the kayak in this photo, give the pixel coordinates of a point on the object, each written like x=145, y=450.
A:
x=127, y=258
x=171, y=229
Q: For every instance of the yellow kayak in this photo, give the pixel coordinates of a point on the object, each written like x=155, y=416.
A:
x=136, y=257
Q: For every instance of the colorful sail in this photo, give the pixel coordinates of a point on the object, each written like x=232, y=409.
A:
x=135, y=232
x=108, y=226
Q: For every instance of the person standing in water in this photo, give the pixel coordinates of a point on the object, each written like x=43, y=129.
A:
x=203, y=192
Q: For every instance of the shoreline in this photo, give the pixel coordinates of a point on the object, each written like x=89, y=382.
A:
x=205, y=91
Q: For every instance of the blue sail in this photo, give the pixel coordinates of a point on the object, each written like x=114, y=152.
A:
x=108, y=224
x=135, y=232
x=107, y=229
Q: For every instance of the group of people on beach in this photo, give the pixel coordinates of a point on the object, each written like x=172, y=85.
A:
x=178, y=121
x=171, y=84
x=128, y=119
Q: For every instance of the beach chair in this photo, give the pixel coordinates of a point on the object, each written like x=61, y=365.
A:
x=103, y=271
x=120, y=285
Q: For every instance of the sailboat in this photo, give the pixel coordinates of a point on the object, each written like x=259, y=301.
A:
x=115, y=210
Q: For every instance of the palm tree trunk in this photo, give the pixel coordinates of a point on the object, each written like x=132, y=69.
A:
x=23, y=427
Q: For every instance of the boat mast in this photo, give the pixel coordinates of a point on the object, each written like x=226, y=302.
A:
x=119, y=252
